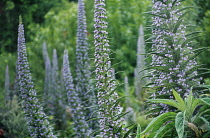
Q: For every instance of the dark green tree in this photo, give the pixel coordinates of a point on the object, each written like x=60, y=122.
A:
x=33, y=12
x=203, y=22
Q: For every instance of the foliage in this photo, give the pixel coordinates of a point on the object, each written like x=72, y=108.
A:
x=202, y=19
x=12, y=120
x=124, y=19
x=32, y=11
x=59, y=27
x=59, y=32
x=7, y=59
x=193, y=116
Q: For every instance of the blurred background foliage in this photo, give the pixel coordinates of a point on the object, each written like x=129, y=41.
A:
x=203, y=24
x=55, y=22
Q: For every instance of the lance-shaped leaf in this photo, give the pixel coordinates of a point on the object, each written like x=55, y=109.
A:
x=179, y=124
x=159, y=121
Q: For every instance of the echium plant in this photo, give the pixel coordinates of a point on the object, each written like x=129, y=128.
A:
x=173, y=59
x=192, y=116
x=7, y=91
x=48, y=80
x=140, y=64
x=83, y=89
x=53, y=94
x=80, y=125
x=57, y=94
x=109, y=110
x=38, y=124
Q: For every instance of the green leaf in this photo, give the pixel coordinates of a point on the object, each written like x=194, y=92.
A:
x=168, y=16
x=128, y=132
x=117, y=101
x=189, y=101
x=159, y=121
x=177, y=56
x=206, y=122
x=179, y=100
x=169, y=40
x=147, y=85
x=183, y=14
x=206, y=100
x=200, y=49
x=207, y=135
x=202, y=111
x=179, y=124
x=188, y=40
x=200, y=74
x=159, y=54
x=114, y=90
x=195, y=103
x=150, y=112
x=95, y=132
x=193, y=33
x=165, y=101
x=192, y=106
x=164, y=130
x=159, y=68
x=146, y=76
x=188, y=7
x=177, y=25
x=92, y=119
x=201, y=87
x=138, y=135
x=119, y=129
x=117, y=117
x=195, y=68
x=174, y=2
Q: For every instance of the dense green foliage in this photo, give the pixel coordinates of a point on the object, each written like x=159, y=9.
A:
x=12, y=120
x=203, y=21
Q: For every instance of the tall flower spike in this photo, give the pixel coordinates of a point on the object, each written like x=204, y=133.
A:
x=48, y=67
x=105, y=85
x=139, y=83
x=82, y=65
x=126, y=89
x=48, y=80
x=8, y=94
x=80, y=125
x=55, y=93
x=38, y=124
x=173, y=61
x=58, y=108
x=55, y=75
